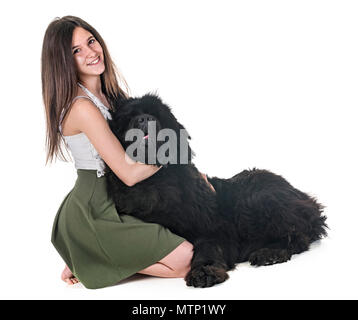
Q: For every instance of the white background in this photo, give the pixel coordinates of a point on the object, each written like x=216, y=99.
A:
x=274, y=82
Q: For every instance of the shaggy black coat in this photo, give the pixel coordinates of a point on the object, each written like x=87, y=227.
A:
x=255, y=216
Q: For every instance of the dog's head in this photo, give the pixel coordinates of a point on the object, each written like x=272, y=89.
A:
x=150, y=133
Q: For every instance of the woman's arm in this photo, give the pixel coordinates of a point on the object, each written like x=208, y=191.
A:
x=88, y=119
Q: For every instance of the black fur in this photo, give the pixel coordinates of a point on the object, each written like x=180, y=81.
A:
x=255, y=216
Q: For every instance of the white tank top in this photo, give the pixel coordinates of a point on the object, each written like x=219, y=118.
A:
x=83, y=152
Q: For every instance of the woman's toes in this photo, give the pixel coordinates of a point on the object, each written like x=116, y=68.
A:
x=68, y=277
x=73, y=281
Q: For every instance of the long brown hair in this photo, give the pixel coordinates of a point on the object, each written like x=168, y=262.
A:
x=59, y=78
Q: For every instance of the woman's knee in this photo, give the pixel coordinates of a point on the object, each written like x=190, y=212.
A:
x=179, y=259
x=187, y=255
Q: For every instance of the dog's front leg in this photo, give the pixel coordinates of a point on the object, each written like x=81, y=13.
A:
x=208, y=266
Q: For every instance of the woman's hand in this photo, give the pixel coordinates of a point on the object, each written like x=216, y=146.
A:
x=206, y=179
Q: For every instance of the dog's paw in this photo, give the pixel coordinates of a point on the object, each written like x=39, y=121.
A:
x=206, y=276
x=266, y=257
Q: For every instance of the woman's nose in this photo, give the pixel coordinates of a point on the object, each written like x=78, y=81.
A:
x=88, y=52
x=91, y=53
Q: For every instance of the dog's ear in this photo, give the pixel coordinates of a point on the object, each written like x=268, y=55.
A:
x=191, y=153
x=182, y=127
x=119, y=107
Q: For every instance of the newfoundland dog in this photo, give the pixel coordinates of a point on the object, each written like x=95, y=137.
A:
x=255, y=216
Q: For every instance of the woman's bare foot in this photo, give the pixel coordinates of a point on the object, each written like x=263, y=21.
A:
x=68, y=276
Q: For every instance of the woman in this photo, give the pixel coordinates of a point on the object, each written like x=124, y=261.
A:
x=99, y=247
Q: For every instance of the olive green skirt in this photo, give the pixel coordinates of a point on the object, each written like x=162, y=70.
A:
x=100, y=247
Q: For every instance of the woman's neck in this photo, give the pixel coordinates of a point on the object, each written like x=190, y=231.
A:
x=93, y=84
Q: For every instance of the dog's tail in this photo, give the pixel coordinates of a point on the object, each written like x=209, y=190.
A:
x=312, y=212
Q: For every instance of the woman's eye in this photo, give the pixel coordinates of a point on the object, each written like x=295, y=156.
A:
x=89, y=42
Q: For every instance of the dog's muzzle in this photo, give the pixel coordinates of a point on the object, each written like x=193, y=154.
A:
x=142, y=122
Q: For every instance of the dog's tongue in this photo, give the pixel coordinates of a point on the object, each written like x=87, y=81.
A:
x=146, y=137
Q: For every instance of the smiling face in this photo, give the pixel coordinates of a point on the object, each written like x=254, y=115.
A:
x=87, y=53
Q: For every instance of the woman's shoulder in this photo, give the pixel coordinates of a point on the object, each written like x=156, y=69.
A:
x=80, y=108
x=80, y=99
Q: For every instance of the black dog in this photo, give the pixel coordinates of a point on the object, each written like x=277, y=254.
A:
x=255, y=216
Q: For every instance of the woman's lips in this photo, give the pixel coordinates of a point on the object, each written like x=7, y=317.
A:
x=94, y=64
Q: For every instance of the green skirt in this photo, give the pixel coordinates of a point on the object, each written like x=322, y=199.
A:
x=100, y=247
